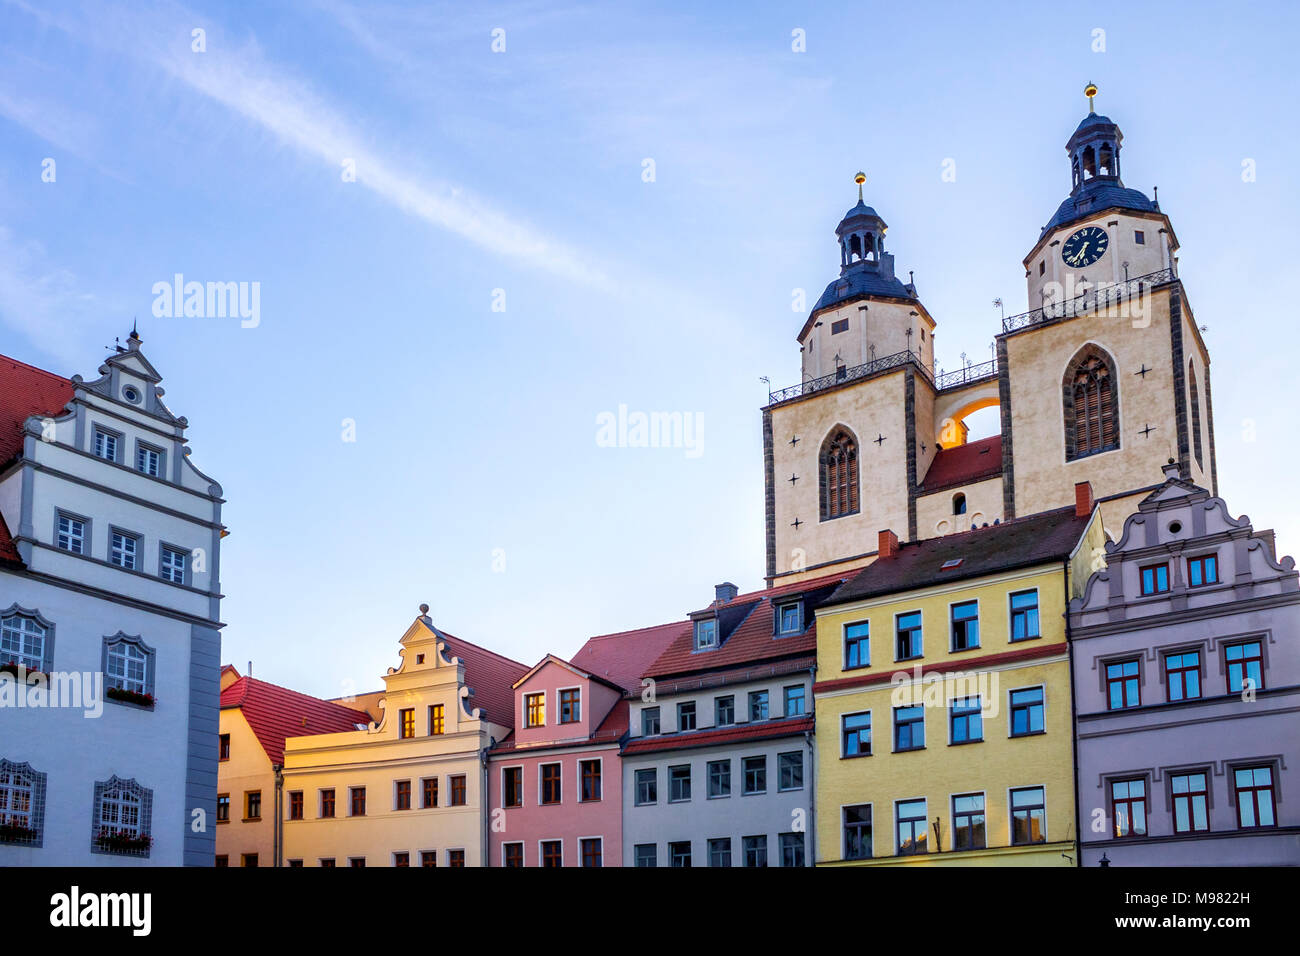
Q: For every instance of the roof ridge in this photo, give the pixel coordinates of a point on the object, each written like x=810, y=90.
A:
x=249, y=681
x=480, y=647
x=36, y=368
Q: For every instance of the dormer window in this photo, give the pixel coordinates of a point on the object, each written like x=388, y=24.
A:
x=706, y=634
x=105, y=446
x=534, y=710
x=789, y=618
x=148, y=460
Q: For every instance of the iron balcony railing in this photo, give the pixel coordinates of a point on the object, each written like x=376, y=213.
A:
x=1098, y=298
x=849, y=374
x=967, y=375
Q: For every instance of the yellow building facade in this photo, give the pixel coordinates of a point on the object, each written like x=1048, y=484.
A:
x=943, y=699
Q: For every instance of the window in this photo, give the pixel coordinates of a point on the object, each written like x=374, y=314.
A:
x=1128, y=807
x=327, y=862
x=857, y=645
x=1024, y=615
x=1091, y=405
x=550, y=784
x=106, y=444
x=968, y=821
x=1028, y=816
x=552, y=854
x=512, y=786
x=252, y=804
x=645, y=855
x=686, y=715
x=755, y=849
x=706, y=634
x=839, y=475
x=791, y=849
x=402, y=859
x=535, y=710
x=148, y=460
x=22, y=804
x=223, y=808
x=724, y=711
x=758, y=705
x=959, y=504
x=1027, y=712
x=122, y=814
x=358, y=804
x=856, y=734
x=649, y=721
x=222, y=861
x=327, y=803
x=589, y=772
x=357, y=862
x=249, y=859
x=911, y=835
x=1183, y=676
x=966, y=625
x=679, y=784
x=1194, y=397
x=1139, y=237
x=755, y=774
x=123, y=549
x=456, y=859
x=1123, y=688
x=1191, y=802
x=789, y=618
x=437, y=720
x=647, y=787
x=293, y=863
x=402, y=795
x=457, y=783
x=839, y=325
x=1042, y=266
x=909, y=727
x=1255, y=800
x=23, y=639
x=789, y=771
x=407, y=723
x=295, y=805
x=1245, y=666
x=679, y=854
x=908, y=632
x=720, y=852
x=223, y=747
x=570, y=706
x=966, y=720
x=171, y=564
x=592, y=851
x=512, y=855
x=857, y=832
x=429, y=786
x=1202, y=570
x=428, y=858
x=719, y=772
x=71, y=534
x=1155, y=579
x=794, y=700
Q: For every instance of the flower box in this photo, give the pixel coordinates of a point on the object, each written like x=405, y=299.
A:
x=129, y=697
x=21, y=672
x=17, y=833
x=122, y=841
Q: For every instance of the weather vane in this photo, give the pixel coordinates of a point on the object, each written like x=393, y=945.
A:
x=860, y=178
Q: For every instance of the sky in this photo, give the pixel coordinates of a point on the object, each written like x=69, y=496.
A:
x=477, y=232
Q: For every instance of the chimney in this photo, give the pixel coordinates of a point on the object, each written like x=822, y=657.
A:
x=1082, y=499
x=888, y=546
x=724, y=592
x=1172, y=469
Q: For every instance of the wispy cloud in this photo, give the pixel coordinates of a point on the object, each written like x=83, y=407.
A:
x=44, y=302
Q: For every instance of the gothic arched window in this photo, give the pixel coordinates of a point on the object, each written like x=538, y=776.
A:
x=839, y=474
x=1196, y=415
x=1091, y=404
x=959, y=504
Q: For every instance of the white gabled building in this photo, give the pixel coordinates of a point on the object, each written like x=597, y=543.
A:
x=109, y=589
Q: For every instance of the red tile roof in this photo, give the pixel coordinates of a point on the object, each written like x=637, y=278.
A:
x=964, y=464
x=624, y=657
x=610, y=731
x=275, y=712
x=752, y=640
x=735, y=675
x=766, y=730
x=491, y=676
x=8, y=550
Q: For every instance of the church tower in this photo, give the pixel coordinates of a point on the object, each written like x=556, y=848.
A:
x=1102, y=382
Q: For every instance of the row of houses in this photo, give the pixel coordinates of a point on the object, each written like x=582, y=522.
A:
x=1023, y=693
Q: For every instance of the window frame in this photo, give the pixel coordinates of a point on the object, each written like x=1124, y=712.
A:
x=25, y=616
x=918, y=848
x=1156, y=579
x=118, y=438
x=781, y=771
x=584, y=777
x=1012, y=809
x=1123, y=681
x=968, y=622
x=856, y=827
x=1271, y=789
x=22, y=778
x=1203, y=561
x=857, y=643
x=1130, y=803
x=1182, y=671
x=515, y=771
x=167, y=569
x=1189, y=797
x=968, y=714
x=679, y=786
x=745, y=790
x=640, y=776
x=150, y=665
x=1014, y=613
x=1013, y=706
x=574, y=704
x=909, y=724
x=857, y=735
x=84, y=540
x=723, y=779
x=1244, y=663
x=918, y=631
x=534, y=709
x=135, y=552
x=958, y=814
x=145, y=448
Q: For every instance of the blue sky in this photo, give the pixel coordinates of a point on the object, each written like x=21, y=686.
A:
x=475, y=482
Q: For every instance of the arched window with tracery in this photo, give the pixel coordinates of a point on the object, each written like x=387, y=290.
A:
x=1091, y=397
x=839, y=474
x=1196, y=414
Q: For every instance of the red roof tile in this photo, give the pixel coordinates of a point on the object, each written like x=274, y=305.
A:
x=275, y=712
x=752, y=640
x=26, y=391
x=8, y=550
x=963, y=464
x=766, y=730
x=625, y=657
x=491, y=676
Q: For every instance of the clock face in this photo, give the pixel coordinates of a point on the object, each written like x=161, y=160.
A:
x=1085, y=247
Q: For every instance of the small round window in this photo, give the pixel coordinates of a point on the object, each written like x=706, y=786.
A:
x=1175, y=527
x=131, y=394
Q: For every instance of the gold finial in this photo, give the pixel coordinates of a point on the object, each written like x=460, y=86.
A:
x=1090, y=91
x=860, y=178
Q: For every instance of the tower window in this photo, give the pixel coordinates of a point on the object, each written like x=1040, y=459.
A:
x=1091, y=405
x=839, y=475
x=1042, y=266
x=1139, y=237
x=1196, y=415
x=959, y=504
x=840, y=326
